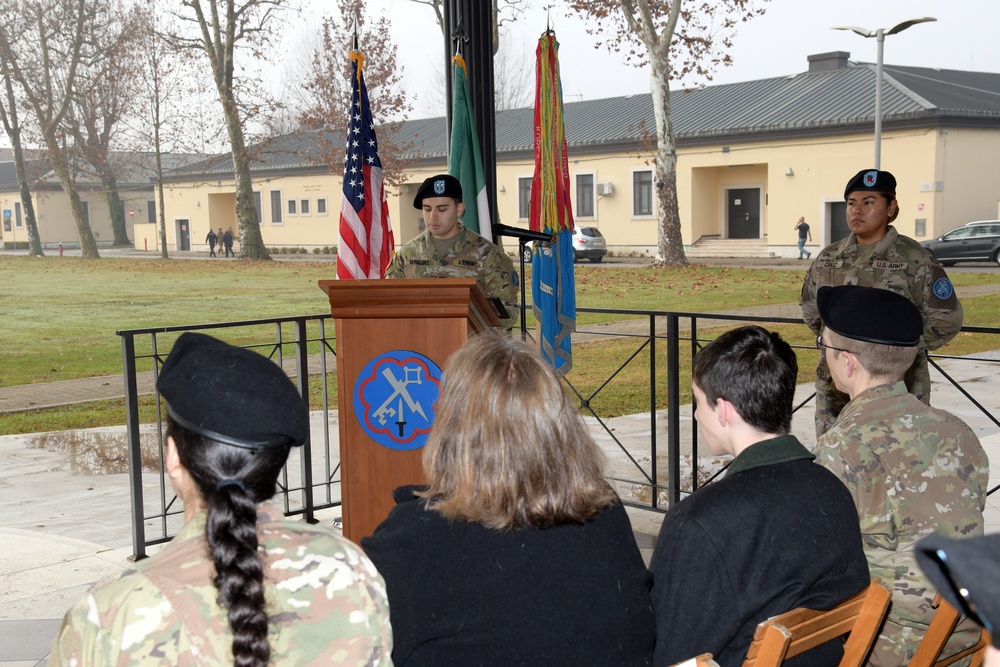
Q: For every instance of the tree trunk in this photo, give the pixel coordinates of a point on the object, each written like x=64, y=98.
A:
x=13, y=129
x=34, y=241
x=161, y=214
x=88, y=244
x=251, y=241
x=115, y=208
x=670, y=246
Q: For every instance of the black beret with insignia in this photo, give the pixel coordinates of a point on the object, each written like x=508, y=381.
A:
x=870, y=314
x=871, y=180
x=442, y=185
x=967, y=574
x=232, y=395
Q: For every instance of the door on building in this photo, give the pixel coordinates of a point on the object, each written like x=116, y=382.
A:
x=744, y=213
x=838, y=221
x=183, y=234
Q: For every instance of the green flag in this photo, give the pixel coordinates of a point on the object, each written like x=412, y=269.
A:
x=466, y=162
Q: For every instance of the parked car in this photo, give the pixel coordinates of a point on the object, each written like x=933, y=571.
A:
x=588, y=243
x=973, y=242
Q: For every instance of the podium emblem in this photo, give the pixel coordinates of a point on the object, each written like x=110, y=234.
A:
x=394, y=399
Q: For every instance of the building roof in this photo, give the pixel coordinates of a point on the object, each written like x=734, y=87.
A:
x=835, y=96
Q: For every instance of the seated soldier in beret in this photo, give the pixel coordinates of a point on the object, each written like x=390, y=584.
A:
x=967, y=574
x=448, y=250
x=239, y=584
x=913, y=470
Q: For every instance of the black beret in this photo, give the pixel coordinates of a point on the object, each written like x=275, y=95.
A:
x=231, y=395
x=870, y=314
x=971, y=565
x=442, y=185
x=871, y=180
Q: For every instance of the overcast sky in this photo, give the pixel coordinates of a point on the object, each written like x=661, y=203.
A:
x=775, y=44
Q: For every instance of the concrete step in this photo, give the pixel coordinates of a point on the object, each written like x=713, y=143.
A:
x=716, y=247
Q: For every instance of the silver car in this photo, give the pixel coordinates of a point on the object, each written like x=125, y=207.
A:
x=588, y=243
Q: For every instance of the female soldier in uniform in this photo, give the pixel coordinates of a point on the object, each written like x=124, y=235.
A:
x=239, y=584
x=874, y=254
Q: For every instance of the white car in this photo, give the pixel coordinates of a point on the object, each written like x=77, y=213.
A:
x=588, y=243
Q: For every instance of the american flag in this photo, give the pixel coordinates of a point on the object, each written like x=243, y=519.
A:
x=366, y=242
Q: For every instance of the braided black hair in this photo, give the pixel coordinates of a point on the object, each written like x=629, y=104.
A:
x=232, y=480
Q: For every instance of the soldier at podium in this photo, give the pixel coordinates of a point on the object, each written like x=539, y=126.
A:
x=448, y=250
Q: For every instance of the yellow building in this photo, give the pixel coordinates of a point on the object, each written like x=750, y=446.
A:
x=135, y=172
x=752, y=158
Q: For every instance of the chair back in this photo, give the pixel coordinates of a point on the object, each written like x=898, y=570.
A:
x=942, y=625
x=794, y=632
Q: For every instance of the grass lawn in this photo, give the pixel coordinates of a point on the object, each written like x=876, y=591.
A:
x=62, y=314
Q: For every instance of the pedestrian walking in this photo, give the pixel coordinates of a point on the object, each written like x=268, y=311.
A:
x=211, y=240
x=227, y=241
x=803, y=229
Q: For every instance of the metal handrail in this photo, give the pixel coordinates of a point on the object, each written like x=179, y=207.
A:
x=663, y=335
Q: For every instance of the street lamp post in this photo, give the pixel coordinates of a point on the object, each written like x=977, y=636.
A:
x=880, y=34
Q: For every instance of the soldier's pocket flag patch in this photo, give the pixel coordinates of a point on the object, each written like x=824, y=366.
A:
x=394, y=399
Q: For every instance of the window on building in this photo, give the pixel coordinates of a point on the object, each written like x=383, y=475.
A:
x=276, y=207
x=524, y=198
x=293, y=207
x=151, y=210
x=17, y=214
x=304, y=207
x=642, y=193
x=260, y=207
x=585, y=195
x=320, y=205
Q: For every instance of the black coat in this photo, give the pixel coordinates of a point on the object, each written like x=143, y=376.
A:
x=776, y=533
x=464, y=595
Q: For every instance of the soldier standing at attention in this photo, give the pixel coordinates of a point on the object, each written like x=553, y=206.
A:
x=448, y=250
x=874, y=254
x=912, y=470
x=239, y=584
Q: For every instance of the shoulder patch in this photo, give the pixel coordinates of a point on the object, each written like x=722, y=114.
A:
x=943, y=289
x=514, y=279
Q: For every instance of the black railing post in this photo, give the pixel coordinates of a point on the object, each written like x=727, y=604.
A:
x=302, y=376
x=134, y=448
x=655, y=498
x=673, y=411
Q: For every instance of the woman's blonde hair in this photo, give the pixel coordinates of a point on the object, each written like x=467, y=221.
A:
x=508, y=449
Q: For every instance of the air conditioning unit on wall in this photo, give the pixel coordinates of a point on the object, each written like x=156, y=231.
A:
x=606, y=189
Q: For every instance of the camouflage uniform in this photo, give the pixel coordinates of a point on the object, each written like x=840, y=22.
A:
x=326, y=601
x=469, y=256
x=913, y=470
x=896, y=263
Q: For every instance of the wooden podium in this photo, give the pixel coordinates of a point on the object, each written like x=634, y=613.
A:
x=432, y=317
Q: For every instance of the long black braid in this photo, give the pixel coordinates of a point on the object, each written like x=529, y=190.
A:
x=232, y=480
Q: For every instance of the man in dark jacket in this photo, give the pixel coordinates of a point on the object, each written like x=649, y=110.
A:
x=227, y=241
x=777, y=533
x=211, y=240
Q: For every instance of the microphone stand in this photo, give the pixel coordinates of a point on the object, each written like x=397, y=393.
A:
x=522, y=236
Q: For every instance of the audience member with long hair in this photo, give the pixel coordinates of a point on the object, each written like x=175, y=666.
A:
x=239, y=584
x=518, y=552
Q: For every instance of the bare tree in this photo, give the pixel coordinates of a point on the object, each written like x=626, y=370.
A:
x=676, y=41
x=328, y=88
x=226, y=25
x=106, y=89
x=8, y=116
x=44, y=43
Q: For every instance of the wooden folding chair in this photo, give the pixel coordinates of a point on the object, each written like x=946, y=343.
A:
x=942, y=625
x=797, y=631
x=703, y=660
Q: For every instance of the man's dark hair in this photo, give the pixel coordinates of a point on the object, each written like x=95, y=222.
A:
x=756, y=371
